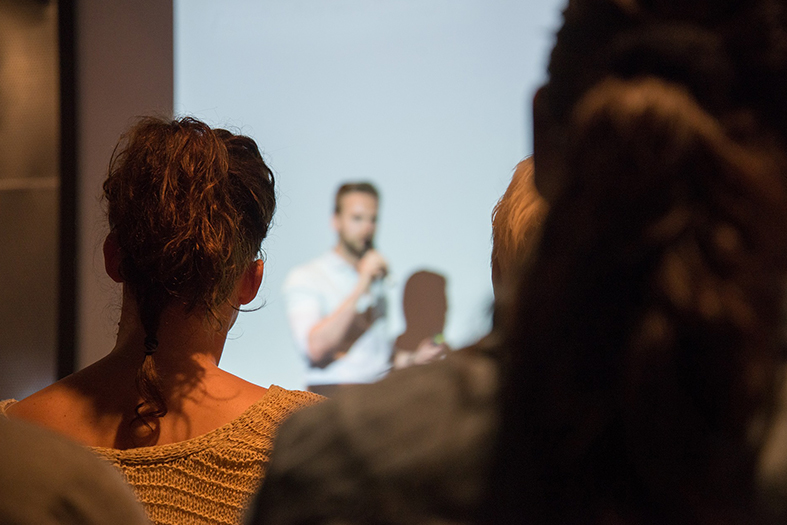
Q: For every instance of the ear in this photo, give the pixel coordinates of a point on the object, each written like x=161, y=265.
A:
x=112, y=257
x=335, y=222
x=250, y=282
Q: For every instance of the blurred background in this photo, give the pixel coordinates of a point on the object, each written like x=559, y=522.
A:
x=428, y=99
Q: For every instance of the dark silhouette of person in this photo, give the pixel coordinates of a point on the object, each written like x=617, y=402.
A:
x=425, y=305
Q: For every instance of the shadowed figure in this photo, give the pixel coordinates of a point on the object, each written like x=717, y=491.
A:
x=425, y=305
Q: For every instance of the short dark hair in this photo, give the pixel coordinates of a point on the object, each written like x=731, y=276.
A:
x=351, y=187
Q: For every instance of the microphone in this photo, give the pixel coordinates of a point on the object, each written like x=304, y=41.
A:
x=376, y=290
x=368, y=245
x=380, y=281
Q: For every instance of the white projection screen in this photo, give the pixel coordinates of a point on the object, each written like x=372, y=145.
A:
x=428, y=99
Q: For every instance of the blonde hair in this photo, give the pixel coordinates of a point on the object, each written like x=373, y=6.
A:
x=516, y=223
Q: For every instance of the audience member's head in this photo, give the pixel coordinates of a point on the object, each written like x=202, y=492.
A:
x=48, y=480
x=648, y=328
x=188, y=208
x=516, y=225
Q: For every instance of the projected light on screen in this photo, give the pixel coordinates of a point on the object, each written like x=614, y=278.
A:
x=429, y=100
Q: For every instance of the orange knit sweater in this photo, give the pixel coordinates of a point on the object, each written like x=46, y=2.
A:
x=208, y=479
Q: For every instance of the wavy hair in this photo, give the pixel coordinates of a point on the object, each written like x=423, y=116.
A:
x=189, y=207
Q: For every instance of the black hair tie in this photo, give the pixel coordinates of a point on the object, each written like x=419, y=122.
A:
x=151, y=343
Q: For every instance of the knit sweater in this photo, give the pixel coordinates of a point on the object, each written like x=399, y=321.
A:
x=208, y=479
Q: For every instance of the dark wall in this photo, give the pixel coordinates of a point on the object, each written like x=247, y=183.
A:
x=29, y=195
x=117, y=65
x=124, y=69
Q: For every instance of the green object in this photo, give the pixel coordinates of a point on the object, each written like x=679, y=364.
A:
x=438, y=339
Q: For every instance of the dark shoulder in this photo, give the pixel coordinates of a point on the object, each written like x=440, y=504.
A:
x=44, y=476
x=465, y=381
x=421, y=439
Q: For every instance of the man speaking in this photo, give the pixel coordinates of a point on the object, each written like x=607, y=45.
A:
x=336, y=303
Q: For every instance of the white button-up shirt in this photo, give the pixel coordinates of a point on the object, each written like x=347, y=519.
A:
x=312, y=292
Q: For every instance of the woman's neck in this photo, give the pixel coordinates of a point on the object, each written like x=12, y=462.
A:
x=184, y=339
x=95, y=405
x=186, y=361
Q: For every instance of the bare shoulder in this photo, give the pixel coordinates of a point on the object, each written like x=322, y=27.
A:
x=235, y=391
x=54, y=406
x=85, y=406
x=243, y=394
x=250, y=392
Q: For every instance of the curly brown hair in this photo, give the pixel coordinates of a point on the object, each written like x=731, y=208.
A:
x=189, y=207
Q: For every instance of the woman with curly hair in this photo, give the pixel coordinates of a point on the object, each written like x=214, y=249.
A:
x=188, y=209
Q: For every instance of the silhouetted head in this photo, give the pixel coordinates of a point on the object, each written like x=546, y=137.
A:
x=647, y=335
x=425, y=304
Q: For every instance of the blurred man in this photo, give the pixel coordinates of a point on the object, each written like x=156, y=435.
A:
x=336, y=303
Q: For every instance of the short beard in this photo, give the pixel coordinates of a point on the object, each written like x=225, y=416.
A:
x=355, y=252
